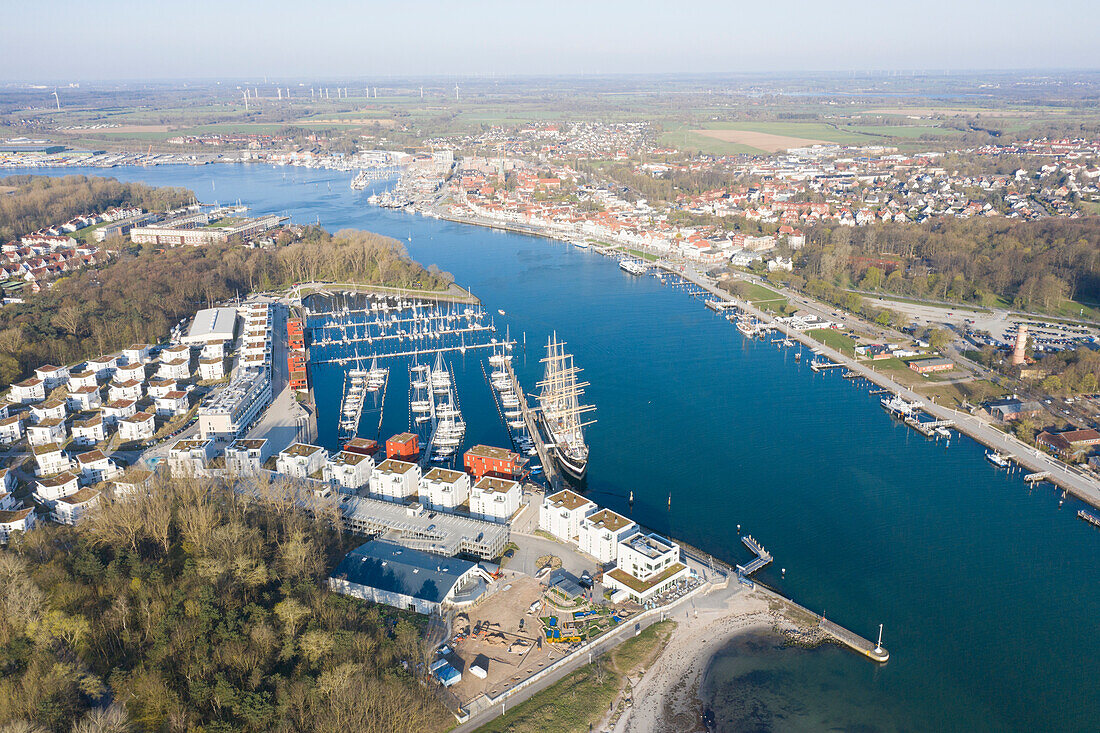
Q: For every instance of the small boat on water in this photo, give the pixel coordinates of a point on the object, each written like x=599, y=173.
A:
x=997, y=459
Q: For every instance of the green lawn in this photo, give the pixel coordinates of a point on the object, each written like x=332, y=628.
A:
x=763, y=297
x=808, y=130
x=582, y=699
x=833, y=339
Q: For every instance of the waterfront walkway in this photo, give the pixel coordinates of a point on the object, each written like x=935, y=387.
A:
x=1073, y=480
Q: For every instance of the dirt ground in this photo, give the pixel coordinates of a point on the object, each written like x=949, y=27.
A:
x=505, y=668
x=761, y=140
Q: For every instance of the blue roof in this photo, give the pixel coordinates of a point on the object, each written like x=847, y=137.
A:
x=391, y=567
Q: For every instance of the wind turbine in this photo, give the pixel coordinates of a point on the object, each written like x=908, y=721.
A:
x=57, y=99
x=456, y=92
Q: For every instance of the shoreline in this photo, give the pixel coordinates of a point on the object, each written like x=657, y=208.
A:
x=666, y=696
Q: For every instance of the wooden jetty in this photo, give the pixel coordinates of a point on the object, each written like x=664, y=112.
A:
x=1032, y=478
x=819, y=364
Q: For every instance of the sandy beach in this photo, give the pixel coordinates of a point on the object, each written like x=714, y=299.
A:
x=665, y=698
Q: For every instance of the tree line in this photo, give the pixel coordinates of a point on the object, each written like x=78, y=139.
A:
x=194, y=607
x=137, y=297
x=37, y=202
x=1034, y=265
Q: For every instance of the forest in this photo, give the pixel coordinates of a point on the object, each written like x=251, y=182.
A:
x=1034, y=265
x=194, y=607
x=137, y=297
x=30, y=203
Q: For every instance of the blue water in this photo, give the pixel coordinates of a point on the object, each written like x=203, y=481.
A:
x=988, y=591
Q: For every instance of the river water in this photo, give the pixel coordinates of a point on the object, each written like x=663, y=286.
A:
x=988, y=591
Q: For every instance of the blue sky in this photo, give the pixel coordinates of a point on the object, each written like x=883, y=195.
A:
x=129, y=39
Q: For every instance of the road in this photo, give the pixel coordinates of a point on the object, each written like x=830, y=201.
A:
x=285, y=420
x=1080, y=485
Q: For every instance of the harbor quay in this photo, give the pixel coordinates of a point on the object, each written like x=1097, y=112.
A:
x=1067, y=477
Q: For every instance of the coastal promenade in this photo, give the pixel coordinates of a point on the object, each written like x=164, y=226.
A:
x=1069, y=478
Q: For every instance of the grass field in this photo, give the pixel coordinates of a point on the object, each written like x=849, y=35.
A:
x=582, y=699
x=763, y=297
x=833, y=339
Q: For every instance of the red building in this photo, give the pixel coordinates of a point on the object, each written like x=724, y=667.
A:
x=927, y=366
x=362, y=446
x=295, y=334
x=403, y=447
x=482, y=460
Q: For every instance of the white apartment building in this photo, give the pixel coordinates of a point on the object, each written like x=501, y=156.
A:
x=237, y=406
x=117, y=410
x=135, y=354
x=84, y=398
x=52, y=409
x=172, y=404
x=52, y=376
x=49, y=490
x=300, y=460
x=561, y=514
x=103, y=366
x=494, y=499
x=349, y=471
x=211, y=369
x=647, y=564
x=15, y=520
x=83, y=379
x=28, y=391
x=394, y=480
x=174, y=369
x=189, y=457
x=11, y=429
x=71, y=509
x=95, y=467
x=89, y=431
x=139, y=426
x=51, y=459
x=47, y=431
x=131, y=389
x=246, y=457
x=441, y=488
x=602, y=532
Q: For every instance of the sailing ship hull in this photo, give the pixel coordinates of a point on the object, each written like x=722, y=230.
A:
x=572, y=468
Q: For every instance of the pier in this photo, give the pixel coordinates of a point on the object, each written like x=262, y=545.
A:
x=549, y=466
x=1089, y=517
x=1032, y=478
x=763, y=557
x=928, y=429
x=821, y=364
x=854, y=641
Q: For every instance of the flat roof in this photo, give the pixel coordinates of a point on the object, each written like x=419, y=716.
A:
x=497, y=485
x=568, y=499
x=402, y=438
x=394, y=466
x=213, y=323
x=651, y=545
x=349, y=458
x=609, y=519
x=394, y=568
x=249, y=443
x=189, y=444
x=444, y=474
x=302, y=449
x=489, y=451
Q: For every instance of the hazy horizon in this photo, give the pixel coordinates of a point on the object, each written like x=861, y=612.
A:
x=128, y=40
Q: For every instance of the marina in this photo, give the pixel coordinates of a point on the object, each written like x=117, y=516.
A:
x=927, y=682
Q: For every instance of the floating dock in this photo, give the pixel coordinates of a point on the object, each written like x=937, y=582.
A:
x=1089, y=517
x=928, y=429
x=1037, y=477
x=763, y=557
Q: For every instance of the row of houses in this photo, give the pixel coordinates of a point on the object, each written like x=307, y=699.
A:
x=638, y=565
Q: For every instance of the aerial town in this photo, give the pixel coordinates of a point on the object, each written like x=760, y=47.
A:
x=417, y=368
